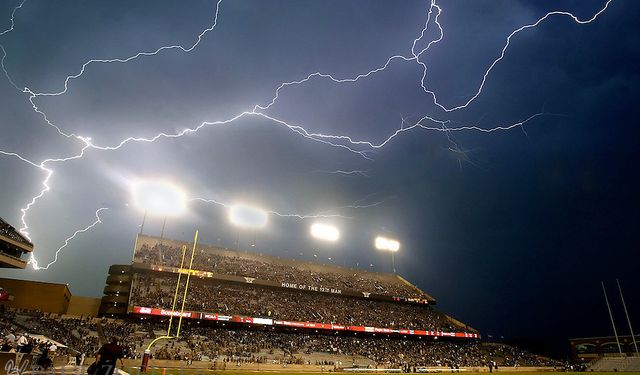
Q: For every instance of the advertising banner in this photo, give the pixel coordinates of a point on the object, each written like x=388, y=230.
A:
x=294, y=324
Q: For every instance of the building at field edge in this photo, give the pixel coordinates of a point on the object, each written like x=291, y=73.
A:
x=13, y=245
x=46, y=297
x=589, y=348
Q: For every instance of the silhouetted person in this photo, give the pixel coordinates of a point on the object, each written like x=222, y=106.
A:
x=107, y=357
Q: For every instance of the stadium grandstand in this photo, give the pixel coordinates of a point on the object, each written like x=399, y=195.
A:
x=245, y=287
x=256, y=312
x=13, y=245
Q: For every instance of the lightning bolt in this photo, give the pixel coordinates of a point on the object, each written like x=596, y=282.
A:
x=345, y=142
x=504, y=51
x=12, y=20
x=359, y=204
x=271, y=212
x=133, y=57
x=98, y=220
x=346, y=173
x=415, y=57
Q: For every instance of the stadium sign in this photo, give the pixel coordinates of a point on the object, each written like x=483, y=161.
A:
x=311, y=288
x=186, y=314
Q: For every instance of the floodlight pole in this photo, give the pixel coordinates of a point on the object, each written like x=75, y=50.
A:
x=144, y=218
x=393, y=261
x=615, y=332
x=164, y=223
x=635, y=345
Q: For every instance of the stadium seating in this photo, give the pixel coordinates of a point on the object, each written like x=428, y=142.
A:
x=149, y=250
x=616, y=364
x=155, y=289
x=220, y=346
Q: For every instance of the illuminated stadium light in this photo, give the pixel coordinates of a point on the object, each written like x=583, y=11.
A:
x=159, y=197
x=247, y=217
x=390, y=245
x=325, y=232
x=387, y=244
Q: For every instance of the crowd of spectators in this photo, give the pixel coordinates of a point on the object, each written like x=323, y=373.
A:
x=418, y=353
x=77, y=333
x=224, y=345
x=156, y=289
x=7, y=230
x=259, y=346
x=268, y=268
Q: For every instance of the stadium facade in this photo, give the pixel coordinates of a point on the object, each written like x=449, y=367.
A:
x=47, y=298
x=13, y=245
x=248, y=289
x=588, y=348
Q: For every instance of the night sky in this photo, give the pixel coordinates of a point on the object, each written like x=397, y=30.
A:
x=511, y=230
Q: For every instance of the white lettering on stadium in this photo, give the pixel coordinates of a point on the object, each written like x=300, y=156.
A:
x=312, y=288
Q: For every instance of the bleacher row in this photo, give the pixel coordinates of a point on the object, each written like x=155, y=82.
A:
x=218, y=345
x=616, y=364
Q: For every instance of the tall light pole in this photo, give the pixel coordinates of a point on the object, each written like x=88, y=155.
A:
x=144, y=218
x=160, y=198
x=633, y=337
x=615, y=332
x=247, y=217
x=325, y=232
x=390, y=245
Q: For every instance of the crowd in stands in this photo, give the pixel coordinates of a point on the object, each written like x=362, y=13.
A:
x=397, y=352
x=268, y=268
x=76, y=333
x=155, y=289
x=257, y=346
x=7, y=230
x=222, y=345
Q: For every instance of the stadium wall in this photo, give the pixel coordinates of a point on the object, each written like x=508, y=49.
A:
x=37, y=295
x=83, y=306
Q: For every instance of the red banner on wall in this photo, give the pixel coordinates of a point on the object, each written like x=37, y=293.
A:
x=294, y=324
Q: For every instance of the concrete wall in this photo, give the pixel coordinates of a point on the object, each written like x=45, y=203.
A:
x=83, y=306
x=36, y=295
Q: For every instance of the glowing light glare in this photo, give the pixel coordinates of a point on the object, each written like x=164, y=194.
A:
x=387, y=244
x=247, y=217
x=325, y=232
x=159, y=197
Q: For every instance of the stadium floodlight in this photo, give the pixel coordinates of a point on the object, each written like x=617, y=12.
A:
x=159, y=197
x=247, y=217
x=325, y=232
x=390, y=245
x=387, y=244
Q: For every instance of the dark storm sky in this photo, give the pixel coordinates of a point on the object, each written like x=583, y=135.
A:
x=512, y=231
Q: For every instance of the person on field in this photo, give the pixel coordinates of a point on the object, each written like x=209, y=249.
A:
x=107, y=357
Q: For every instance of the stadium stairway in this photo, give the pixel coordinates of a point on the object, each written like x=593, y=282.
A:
x=616, y=364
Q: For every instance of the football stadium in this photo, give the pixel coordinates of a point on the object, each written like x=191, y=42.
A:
x=183, y=307
x=233, y=187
